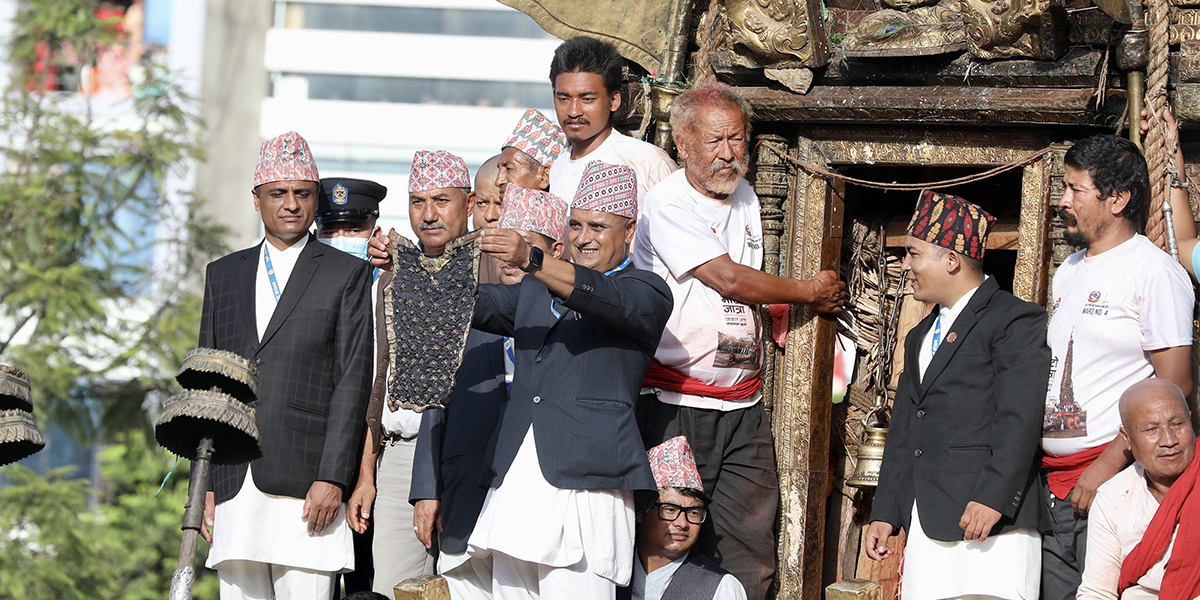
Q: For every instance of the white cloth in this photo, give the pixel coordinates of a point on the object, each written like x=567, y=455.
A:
x=467, y=578
x=1110, y=311
x=529, y=520
x=253, y=526
x=948, y=315
x=514, y=579
x=283, y=261
x=708, y=337
x=653, y=585
x=649, y=162
x=1118, y=519
x=248, y=580
x=395, y=549
x=1006, y=566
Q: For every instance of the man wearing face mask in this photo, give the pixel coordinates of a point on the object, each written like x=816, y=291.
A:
x=346, y=213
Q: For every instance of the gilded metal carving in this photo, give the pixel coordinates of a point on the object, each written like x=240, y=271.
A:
x=778, y=30
x=1029, y=279
x=1015, y=28
x=921, y=31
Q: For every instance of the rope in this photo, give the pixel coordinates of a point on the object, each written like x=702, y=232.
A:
x=1161, y=140
x=912, y=186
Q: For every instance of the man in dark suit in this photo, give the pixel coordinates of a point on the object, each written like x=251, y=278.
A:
x=558, y=520
x=301, y=312
x=449, y=479
x=959, y=470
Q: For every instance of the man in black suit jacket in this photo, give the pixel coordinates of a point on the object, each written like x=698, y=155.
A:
x=558, y=520
x=449, y=478
x=301, y=312
x=959, y=465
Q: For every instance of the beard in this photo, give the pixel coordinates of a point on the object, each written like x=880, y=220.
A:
x=716, y=183
x=1075, y=238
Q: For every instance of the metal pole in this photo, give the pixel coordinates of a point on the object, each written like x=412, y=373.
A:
x=193, y=518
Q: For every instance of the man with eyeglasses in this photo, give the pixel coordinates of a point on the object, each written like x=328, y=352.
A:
x=665, y=568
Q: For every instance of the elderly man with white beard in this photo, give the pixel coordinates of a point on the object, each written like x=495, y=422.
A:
x=700, y=230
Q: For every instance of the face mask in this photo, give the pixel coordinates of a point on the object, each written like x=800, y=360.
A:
x=352, y=246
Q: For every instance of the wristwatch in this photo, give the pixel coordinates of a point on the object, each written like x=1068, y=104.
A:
x=535, y=260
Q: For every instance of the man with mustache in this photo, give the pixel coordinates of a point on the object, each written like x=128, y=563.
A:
x=1142, y=538
x=439, y=204
x=700, y=231
x=558, y=519
x=587, y=77
x=528, y=154
x=1122, y=313
x=451, y=466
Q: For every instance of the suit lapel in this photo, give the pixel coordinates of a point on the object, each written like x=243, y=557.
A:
x=912, y=346
x=952, y=339
x=247, y=285
x=302, y=273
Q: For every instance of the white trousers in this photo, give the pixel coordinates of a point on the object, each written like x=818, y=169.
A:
x=250, y=580
x=395, y=549
x=467, y=577
x=514, y=579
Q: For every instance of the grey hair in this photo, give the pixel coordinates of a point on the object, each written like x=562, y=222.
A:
x=685, y=108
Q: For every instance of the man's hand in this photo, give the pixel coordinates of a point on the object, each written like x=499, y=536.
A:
x=1090, y=480
x=506, y=245
x=358, y=510
x=377, y=249
x=978, y=520
x=210, y=516
x=321, y=506
x=427, y=513
x=878, y=533
x=829, y=293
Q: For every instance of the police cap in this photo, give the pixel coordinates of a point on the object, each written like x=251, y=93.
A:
x=346, y=199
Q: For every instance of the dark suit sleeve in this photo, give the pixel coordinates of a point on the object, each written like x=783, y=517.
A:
x=896, y=470
x=348, y=403
x=634, y=302
x=1021, y=367
x=496, y=308
x=426, y=481
x=206, y=338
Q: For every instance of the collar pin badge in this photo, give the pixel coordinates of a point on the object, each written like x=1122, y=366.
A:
x=953, y=336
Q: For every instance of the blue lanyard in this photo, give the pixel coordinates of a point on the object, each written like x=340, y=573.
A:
x=376, y=275
x=937, y=333
x=620, y=267
x=271, y=271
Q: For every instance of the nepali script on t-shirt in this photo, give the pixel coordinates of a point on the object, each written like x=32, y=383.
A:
x=710, y=338
x=1110, y=311
x=650, y=163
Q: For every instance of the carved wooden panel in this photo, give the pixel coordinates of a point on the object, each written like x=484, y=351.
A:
x=1016, y=28
x=778, y=31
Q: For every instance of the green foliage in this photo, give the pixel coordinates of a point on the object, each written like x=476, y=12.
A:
x=83, y=309
x=56, y=544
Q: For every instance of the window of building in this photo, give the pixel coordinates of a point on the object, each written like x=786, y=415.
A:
x=408, y=19
x=412, y=90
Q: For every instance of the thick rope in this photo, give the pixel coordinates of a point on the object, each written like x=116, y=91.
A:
x=912, y=186
x=1161, y=140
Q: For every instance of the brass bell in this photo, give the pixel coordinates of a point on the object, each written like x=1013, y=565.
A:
x=870, y=451
x=870, y=458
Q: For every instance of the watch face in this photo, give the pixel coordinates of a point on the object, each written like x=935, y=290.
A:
x=535, y=259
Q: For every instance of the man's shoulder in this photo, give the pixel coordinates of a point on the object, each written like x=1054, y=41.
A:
x=234, y=258
x=1121, y=484
x=631, y=146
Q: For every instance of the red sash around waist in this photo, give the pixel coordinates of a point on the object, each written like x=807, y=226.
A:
x=1181, y=579
x=661, y=376
x=1064, y=471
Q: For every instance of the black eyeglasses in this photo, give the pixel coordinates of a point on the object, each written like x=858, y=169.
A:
x=670, y=512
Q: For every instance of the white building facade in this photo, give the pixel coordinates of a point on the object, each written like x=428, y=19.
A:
x=370, y=82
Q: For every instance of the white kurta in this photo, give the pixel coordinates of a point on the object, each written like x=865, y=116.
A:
x=533, y=521
x=267, y=528
x=652, y=586
x=1007, y=566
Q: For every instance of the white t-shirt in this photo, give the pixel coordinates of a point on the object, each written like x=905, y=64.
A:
x=1110, y=311
x=709, y=338
x=651, y=164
